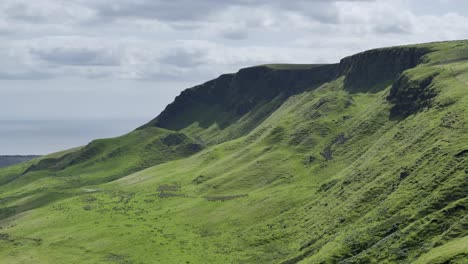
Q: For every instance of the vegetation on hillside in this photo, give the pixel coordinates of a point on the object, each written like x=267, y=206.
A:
x=365, y=161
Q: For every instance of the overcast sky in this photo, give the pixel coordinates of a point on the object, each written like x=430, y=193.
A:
x=123, y=59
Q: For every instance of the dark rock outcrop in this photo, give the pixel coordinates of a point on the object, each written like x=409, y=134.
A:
x=234, y=95
x=228, y=98
x=368, y=71
x=411, y=95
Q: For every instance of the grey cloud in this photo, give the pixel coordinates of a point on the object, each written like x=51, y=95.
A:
x=153, y=76
x=235, y=34
x=76, y=56
x=188, y=10
x=177, y=10
x=392, y=29
x=6, y=32
x=26, y=75
x=44, y=11
x=21, y=11
x=168, y=73
x=184, y=58
x=321, y=11
x=180, y=39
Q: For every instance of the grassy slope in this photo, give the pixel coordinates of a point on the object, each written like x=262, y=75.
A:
x=330, y=176
x=56, y=176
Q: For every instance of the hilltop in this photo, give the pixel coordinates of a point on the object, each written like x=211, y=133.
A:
x=362, y=161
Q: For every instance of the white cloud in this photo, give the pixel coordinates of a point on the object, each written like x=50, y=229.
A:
x=187, y=40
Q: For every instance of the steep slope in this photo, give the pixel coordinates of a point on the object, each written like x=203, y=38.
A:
x=234, y=104
x=336, y=169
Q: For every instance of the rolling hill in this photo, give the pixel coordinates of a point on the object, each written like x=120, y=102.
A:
x=363, y=161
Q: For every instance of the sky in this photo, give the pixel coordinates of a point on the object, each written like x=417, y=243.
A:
x=75, y=70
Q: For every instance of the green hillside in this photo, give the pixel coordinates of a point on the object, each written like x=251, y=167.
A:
x=364, y=161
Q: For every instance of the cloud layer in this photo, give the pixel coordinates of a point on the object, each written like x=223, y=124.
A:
x=191, y=40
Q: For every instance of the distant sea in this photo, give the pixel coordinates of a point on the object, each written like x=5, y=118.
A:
x=39, y=137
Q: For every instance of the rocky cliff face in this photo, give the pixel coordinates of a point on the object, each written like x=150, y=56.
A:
x=229, y=97
x=410, y=95
x=370, y=70
x=237, y=94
